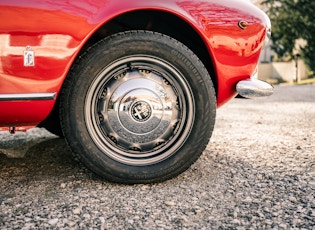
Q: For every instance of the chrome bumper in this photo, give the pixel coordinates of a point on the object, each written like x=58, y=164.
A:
x=252, y=88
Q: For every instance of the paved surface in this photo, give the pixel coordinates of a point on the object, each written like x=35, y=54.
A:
x=257, y=173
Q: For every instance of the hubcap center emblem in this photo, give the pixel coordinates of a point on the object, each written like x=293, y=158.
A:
x=141, y=111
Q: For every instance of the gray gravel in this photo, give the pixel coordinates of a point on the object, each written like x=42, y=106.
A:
x=257, y=173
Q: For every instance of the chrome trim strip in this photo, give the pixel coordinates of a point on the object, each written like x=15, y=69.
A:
x=28, y=96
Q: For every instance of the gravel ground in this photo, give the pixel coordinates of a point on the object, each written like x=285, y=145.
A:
x=256, y=173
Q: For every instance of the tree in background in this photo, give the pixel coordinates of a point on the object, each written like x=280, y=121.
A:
x=293, y=28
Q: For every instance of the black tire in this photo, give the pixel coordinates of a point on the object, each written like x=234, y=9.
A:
x=138, y=107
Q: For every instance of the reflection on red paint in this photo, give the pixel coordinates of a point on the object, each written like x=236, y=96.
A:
x=53, y=45
x=56, y=30
x=230, y=46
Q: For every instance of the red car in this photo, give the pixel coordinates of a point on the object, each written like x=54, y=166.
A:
x=133, y=86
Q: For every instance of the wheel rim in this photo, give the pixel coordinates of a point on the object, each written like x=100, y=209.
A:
x=139, y=110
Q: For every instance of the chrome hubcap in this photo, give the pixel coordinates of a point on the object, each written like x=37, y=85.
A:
x=139, y=110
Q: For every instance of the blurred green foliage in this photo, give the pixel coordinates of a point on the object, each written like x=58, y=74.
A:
x=293, y=20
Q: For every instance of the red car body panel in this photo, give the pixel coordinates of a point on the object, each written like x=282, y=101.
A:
x=57, y=30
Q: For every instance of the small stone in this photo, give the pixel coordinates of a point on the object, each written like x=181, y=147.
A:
x=283, y=226
x=248, y=200
x=77, y=211
x=275, y=214
x=28, y=226
x=236, y=221
x=259, y=177
x=292, y=199
x=53, y=222
x=261, y=215
x=312, y=184
x=198, y=211
x=170, y=203
x=144, y=187
x=27, y=219
x=71, y=224
x=86, y=216
x=63, y=185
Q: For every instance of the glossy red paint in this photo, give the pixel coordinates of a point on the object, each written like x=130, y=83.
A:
x=31, y=112
x=57, y=30
x=235, y=52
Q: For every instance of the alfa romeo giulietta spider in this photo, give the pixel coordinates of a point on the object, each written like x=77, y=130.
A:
x=132, y=86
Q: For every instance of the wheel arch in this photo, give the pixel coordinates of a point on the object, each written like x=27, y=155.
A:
x=150, y=20
x=157, y=21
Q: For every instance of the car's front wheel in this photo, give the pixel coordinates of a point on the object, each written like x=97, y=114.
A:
x=138, y=107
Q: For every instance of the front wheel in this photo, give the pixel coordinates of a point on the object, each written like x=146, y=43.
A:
x=138, y=107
